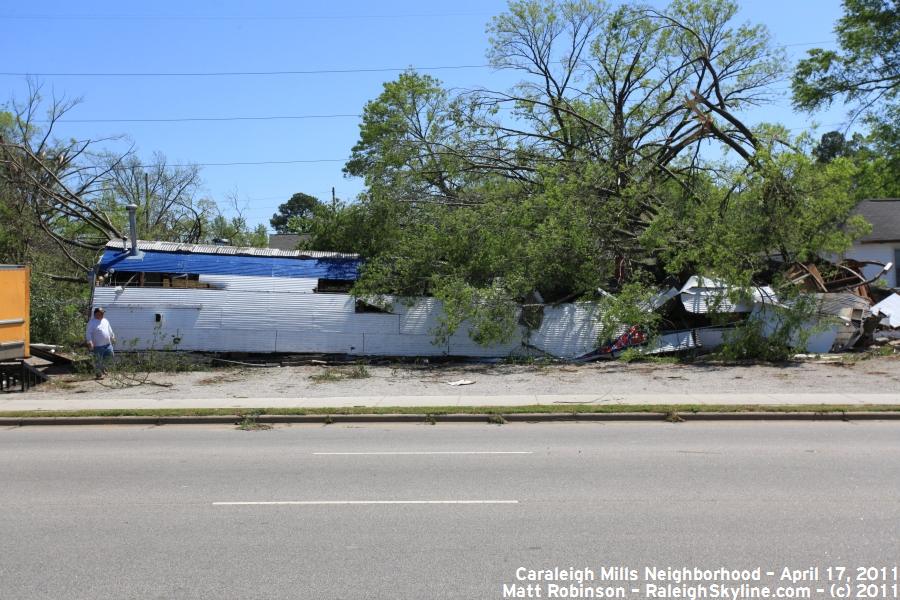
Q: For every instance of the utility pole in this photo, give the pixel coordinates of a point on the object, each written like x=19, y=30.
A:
x=146, y=200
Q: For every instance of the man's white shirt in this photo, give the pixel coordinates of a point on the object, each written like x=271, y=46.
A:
x=99, y=332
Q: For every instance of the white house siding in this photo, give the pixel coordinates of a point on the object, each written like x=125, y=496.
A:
x=396, y=344
x=463, y=345
x=880, y=252
x=421, y=317
x=310, y=340
x=266, y=314
x=254, y=284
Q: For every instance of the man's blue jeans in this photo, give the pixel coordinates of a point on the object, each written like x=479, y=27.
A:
x=102, y=355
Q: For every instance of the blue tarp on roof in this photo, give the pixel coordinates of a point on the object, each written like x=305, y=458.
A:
x=218, y=264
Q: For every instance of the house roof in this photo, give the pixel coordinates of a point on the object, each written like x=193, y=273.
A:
x=286, y=241
x=167, y=257
x=884, y=215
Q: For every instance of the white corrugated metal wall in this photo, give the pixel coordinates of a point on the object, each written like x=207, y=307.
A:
x=272, y=314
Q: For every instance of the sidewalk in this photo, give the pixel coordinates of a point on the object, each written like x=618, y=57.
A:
x=37, y=402
x=874, y=381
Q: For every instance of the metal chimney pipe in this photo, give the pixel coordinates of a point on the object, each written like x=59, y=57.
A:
x=132, y=223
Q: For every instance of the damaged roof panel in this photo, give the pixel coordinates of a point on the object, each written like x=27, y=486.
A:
x=152, y=246
x=703, y=295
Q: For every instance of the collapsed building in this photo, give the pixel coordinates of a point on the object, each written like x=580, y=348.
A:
x=163, y=295
x=212, y=298
x=171, y=296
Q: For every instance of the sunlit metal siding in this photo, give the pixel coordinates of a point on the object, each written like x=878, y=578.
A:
x=712, y=337
x=244, y=320
x=129, y=339
x=209, y=264
x=704, y=295
x=319, y=341
x=672, y=341
x=251, y=311
x=461, y=344
x=246, y=340
x=299, y=285
x=247, y=320
x=329, y=312
x=567, y=330
x=421, y=317
x=395, y=344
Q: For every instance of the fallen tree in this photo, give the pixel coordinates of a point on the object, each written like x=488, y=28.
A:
x=621, y=161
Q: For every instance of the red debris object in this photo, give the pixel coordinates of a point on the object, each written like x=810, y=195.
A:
x=632, y=337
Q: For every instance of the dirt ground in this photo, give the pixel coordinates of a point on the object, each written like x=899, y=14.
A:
x=879, y=375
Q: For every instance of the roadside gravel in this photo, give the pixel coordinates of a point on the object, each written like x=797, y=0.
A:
x=875, y=375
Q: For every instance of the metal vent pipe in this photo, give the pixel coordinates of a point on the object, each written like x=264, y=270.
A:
x=132, y=224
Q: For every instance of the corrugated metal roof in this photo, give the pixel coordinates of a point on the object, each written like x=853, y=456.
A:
x=151, y=246
x=161, y=261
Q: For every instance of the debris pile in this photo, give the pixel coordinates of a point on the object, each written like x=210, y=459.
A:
x=849, y=310
x=888, y=313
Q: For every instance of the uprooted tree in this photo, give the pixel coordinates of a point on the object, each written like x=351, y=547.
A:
x=620, y=159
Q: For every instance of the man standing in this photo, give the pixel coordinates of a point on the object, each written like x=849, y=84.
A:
x=100, y=339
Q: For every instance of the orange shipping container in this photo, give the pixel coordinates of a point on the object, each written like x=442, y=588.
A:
x=14, y=314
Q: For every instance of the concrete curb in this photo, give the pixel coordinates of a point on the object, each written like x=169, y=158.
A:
x=456, y=418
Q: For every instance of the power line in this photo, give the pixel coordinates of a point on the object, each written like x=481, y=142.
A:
x=248, y=73
x=289, y=72
x=264, y=198
x=235, y=17
x=261, y=162
x=187, y=119
x=808, y=43
x=330, y=160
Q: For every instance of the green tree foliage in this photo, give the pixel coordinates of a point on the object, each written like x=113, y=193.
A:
x=365, y=227
x=588, y=173
x=59, y=310
x=834, y=144
x=234, y=231
x=62, y=200
x=865, y=71
x=789, y=208
x=299, y=206
x=875, y=159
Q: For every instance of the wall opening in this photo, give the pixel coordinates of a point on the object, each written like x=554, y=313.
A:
x=334, y=286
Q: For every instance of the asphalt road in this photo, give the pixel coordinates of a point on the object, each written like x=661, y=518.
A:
x=132, y=512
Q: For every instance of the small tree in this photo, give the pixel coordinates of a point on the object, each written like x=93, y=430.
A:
x=300, y=206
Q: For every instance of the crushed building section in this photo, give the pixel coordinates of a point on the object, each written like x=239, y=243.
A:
x=706, y=295
x=225, y=299
x=889, y=310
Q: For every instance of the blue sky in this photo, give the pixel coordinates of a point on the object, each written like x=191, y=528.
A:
x=204, y=36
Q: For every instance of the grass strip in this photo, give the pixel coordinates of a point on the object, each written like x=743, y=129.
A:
x=662, y=409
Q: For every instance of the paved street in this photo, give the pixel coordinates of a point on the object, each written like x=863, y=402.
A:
x=431, y=512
